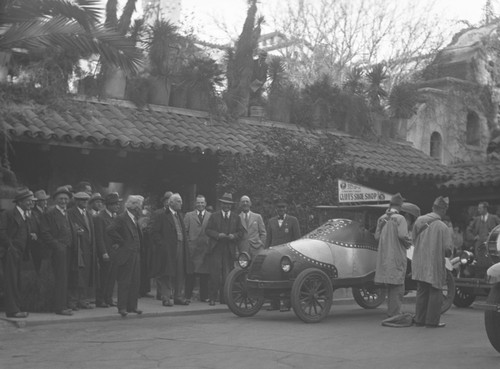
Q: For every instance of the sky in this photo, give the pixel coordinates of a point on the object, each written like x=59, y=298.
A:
x=232, y=12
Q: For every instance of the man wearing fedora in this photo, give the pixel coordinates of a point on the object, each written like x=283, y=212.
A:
x=225, y=231
x=55, y=230
x=83, y=262
x=37, y=248
x=14, y=237
x=106, y=251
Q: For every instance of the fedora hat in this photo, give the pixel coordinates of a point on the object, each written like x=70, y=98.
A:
x=41, y=195
x=112, y=198
x=22, y=194
x=62, y=189
x=96, y=196
x=227, y=198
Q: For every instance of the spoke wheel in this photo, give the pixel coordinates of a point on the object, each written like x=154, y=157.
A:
x=492, y=318
x=236, y=294
x=312, y=295
x=369, y=296
x=463, y=298
x=448, y=292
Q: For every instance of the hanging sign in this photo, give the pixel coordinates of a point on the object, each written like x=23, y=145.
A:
x=352, y=192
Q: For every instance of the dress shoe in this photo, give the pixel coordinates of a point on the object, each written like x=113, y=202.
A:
x=148, y=295
x=439, y=325
x=122, y=312
x=111, y=303
x=180, y=302
x=102, y=305
x=211, y=303
x=136, y=311
x=73, y=307
x=67, y=312
x=19, y=314
x=85, y=305
x=168, y=302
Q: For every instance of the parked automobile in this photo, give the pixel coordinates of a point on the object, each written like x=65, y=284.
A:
x=339, y=254
x=492, y=305
x=471, y=279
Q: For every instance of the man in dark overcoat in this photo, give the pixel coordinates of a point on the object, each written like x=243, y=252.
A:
x=106, y=253
x=225, y=231
x=55, y=230
x=126, y=236
x=14, y=237
x=168, y=235
x=83, y=261
x=38, y=249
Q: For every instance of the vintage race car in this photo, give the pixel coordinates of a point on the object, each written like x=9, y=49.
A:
x=339, y=254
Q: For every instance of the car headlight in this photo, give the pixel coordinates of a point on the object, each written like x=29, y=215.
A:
x=286, y=264
x=466, y=257
x=244, y=260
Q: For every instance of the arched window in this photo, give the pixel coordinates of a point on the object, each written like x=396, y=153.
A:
x=473, y=136
x=436, y=145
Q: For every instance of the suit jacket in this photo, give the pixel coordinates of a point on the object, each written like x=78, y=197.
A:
x=103, y=242
x=14, y=232
x=288, y=232
x=482, y=229
x=123, y=232
x=197, y=242
x=217, y=225
x=255, y=235
x=55, y=230
x=164, y=239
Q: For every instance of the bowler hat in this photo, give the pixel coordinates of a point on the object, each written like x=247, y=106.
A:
x=62, y=189
x=96, y=196
x=227, y=198
x=41, y=195
x=112, y=198
x=23, y=193
x=82, y=196
x=397, y=200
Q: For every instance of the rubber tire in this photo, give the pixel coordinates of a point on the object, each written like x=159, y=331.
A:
x=236, y=296
x=463, y=299
x=492, y=318
x=360, y=294
x=301, y=294
x=450, y=296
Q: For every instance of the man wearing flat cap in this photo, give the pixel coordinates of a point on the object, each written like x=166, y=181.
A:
x=393, y=241
x=106, y=251
x=83, y=261
x=96, y=204
x=224, y=230
x=56, y=234
x=14, y=237
x=432, y=239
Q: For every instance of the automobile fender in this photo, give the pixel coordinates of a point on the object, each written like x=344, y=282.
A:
x=493, y=274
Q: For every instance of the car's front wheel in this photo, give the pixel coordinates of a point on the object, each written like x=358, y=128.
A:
x=312, y=295
x=463, y=297
x=369, y=296
x=492, y=318
x=448, y=292
x=236, y=294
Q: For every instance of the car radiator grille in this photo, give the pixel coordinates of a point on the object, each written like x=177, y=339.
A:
x=257, y=263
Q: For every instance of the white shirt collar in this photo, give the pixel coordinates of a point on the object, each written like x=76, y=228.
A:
x=63, y=211
x=132, y=216
x=109, y=213
x=23, y=214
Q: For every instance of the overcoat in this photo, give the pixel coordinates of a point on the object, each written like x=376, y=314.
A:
x=123, y=232
x=215, y=226
x=164, y=240
x=431, y=238
x=197, y=242
x=392, y=230
x=481, y=228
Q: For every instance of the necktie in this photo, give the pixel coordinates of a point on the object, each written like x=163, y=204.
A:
x=84, y=213
x=226, y=216
x=246, y=219
x=200, y=217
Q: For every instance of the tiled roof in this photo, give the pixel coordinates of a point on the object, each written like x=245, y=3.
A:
x=121, y=125
x=470, y=175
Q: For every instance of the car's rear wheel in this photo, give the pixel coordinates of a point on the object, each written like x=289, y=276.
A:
x=236, y=294
x=312, y=295
x=463, y=297
x=492, y=318
x=369, y=296
x=448, y=292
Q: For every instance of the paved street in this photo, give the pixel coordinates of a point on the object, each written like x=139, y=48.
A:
x=350, y=338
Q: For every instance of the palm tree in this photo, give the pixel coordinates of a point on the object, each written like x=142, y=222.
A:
x=375, y=90
x=35, y=26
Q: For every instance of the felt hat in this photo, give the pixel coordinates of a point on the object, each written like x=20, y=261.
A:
x=112, y=198
x=397, y=200
x=442, y=202
x=22, y=194
x=60, y=190
x=41, y=195
x=227, y=198
x=81, y=196
x=96, y=196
